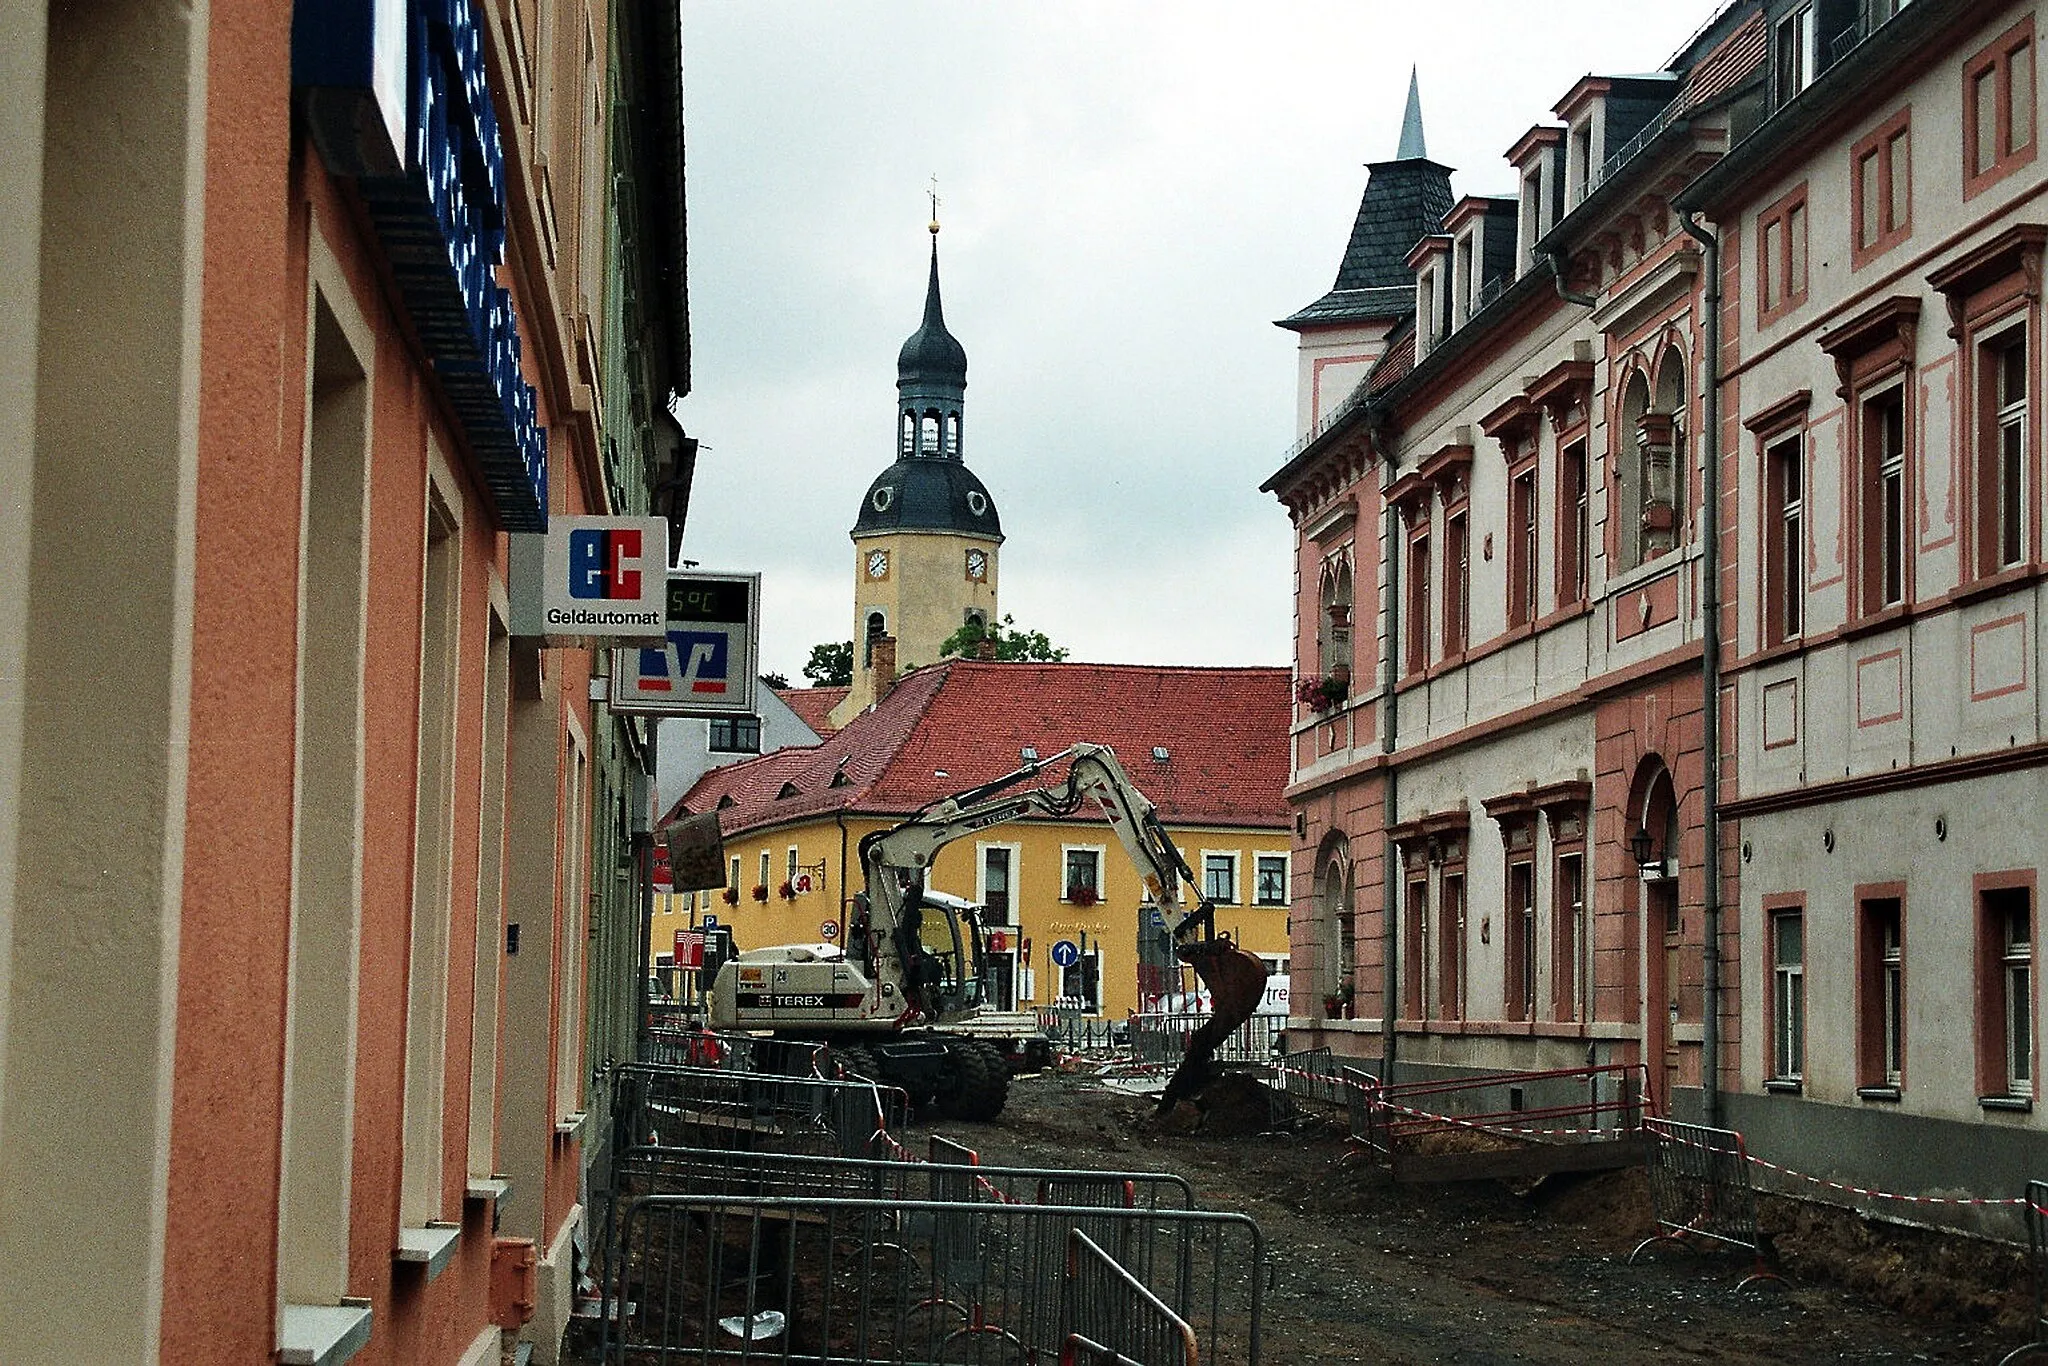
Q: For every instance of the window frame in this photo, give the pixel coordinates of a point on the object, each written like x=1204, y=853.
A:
x=1571, y=920
x=1259, y=862
x=1006, y=914
x=1067, y=883
x=1574, y=521
x=1418, y=595
x=1524, y=537
x=1999, y=1084
x=1452, y=968
x=1415, y=941
x=1229, y=858
x=1993, y=61
x=733, y=726
x=1778, y=1028
x=1878, y=153
x=1518, y=936
x=1881, y=987
x=1781, y=288
x=1783, y=597
x=1457, y=592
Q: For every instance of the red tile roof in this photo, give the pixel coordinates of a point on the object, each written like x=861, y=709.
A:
x=958, y=724
x=813, y=706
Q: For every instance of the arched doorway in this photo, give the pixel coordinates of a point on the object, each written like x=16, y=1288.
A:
x=1652, y=839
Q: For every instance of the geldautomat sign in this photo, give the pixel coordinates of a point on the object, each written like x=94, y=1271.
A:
x=396, y=96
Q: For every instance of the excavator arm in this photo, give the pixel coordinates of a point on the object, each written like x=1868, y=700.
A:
x=895, y=862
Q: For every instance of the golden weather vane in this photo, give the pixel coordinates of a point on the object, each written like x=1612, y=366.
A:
x=933, y=194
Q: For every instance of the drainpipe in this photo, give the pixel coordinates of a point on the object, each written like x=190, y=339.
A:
x=1557, y=276
x=1390, y=865
x=1710, y=673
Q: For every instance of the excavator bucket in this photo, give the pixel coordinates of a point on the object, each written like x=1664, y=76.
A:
x=1236, y=981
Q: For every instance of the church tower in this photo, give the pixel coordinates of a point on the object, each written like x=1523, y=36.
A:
x=926, y=537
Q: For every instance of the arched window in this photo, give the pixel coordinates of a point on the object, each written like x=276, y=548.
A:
x=1336, y=948
x=952, y=433
x=1628, y=464
x=928, y=437
x=909, y=437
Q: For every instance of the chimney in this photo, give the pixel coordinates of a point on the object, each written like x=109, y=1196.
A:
x=985, y=648
x=882, y=664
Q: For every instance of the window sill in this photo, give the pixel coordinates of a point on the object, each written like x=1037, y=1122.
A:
x=1991, y=585
x=571, y=1125
x=2023, y=1105
x=322, y=1334
x=430, y=1248
x=488, y=1189
x=1785, y=1086
x=1888, y=1095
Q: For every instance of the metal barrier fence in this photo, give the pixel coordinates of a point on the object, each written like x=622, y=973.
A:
x=1161, y=1038
x=1073, y=1032
x=724, y=1171
x=1700, y=1192
x=710, y=1108
x=1579, y=1103
x=2037, y=1257
x=1312, y=1074
x=1109, y=1316
x=968, y=1281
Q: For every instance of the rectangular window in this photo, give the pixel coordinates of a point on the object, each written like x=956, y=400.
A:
x=1788, y=995
x=789, y=868
x=1571, y=972
x=1881, y=169
x=1998, y=108
x=1414, y=948
x=1272, y=880
x=1574, y=526
x=1521, y=941
x=2005, y=990
x=735, y=735
x=1451, y=948
x=1522, y=547
x=1881, y=993
x=1083, y=882
x=1796, y=46
x=732, y=879
x=995, y=884
x=1784, y=539
x=1418, y=603
x=2000, y=529
x=1219, y=878
x=767, y=862
x=1885, y=501
x=1457, y=583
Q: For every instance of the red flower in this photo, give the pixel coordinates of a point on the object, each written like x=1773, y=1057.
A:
x=787, y=891
x=732, y=896
x=1082, y=895
x=760, y=891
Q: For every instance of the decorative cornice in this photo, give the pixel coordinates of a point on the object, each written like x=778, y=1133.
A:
x=1793, y=407
x=1566, y=385
x=2017, y=250
x=1881, y=333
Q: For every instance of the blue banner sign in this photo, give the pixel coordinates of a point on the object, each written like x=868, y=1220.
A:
x=439, y=207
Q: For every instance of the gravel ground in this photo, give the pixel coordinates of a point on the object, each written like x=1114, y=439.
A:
x=1478, y=1274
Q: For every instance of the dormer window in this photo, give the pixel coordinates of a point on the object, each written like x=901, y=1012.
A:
x=1795, y=52
x=1463, y=284
x=1538, y=160
x=1578, y=161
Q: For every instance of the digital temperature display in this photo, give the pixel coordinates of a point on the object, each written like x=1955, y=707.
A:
x=692, y=599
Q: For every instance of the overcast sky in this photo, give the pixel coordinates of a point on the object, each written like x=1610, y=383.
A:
x=1131, y=192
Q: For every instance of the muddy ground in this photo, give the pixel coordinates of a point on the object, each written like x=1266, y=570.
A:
x=1477, y=1273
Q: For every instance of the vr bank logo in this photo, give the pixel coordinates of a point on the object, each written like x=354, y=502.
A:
x=691, y=661
x=598, y=563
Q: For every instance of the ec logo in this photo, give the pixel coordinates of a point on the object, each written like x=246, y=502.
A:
x=697, y=658
x=598, y=560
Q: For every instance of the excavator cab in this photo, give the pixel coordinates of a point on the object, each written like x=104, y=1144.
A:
x=942, y=951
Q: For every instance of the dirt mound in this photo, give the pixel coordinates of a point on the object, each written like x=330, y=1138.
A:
x=1231, y=1105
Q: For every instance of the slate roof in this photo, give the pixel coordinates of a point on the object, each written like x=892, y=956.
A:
x=932, y=354
x=813, y=706
x=929, y=493
x=1225, y=732
x=1404, y=201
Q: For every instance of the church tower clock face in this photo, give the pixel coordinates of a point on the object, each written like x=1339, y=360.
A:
x=977, y=566
x=878, y=564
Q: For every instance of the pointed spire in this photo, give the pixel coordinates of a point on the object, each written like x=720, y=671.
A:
x=1412, y=146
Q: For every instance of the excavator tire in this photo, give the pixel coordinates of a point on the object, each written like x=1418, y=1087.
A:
x=966, y=1085
x=986, y=1103
x=856, y=1061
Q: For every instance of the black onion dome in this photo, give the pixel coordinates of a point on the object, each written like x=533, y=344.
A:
x=932, y=353
x=928, y=495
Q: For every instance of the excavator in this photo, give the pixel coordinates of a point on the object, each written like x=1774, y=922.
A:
x=897, y=1001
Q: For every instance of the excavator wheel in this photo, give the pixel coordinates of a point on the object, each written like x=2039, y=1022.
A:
x=988, y=1102
x=856, y=1063
x=965, y=1088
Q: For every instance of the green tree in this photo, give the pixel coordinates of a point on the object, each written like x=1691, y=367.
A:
x=831, y=665
x=1010, y=642
x=776, y=681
